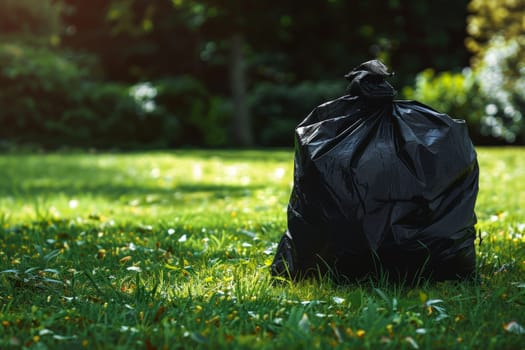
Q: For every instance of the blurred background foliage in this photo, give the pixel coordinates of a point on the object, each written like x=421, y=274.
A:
x=242, y=73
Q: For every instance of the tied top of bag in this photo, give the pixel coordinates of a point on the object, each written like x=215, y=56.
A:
x=368, y=80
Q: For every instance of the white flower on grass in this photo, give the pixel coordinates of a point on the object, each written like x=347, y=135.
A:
x=338, y=300
x=514, y=327
x=128, y=329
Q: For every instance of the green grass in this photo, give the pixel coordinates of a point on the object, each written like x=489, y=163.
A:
x=170, y=250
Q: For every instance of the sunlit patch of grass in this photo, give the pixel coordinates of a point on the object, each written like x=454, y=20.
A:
x=171, y=250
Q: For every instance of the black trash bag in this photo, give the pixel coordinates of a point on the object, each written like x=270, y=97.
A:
x=381, y=188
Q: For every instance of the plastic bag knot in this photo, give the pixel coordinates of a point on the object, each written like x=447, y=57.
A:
x=368, y=80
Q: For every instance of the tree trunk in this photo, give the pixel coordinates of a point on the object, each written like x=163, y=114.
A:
x=242, y=126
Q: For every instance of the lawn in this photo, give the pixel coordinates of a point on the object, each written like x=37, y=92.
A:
x=170, y=250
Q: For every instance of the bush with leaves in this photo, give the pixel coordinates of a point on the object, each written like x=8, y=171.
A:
x=49, y=100
x=496, y=37
x=480, y=97
x=456, y=94
x=501, y=20
x=501, y=76
x=186, y=102
x=277, y=108
x=38, y=85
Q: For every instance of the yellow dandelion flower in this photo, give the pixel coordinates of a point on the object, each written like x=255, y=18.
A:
x=349, y=332
x=390, y=329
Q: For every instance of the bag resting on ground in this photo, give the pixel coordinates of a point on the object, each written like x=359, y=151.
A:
x=381, y=186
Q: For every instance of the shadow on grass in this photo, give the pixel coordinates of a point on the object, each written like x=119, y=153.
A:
x=277, y=155
x=124, y=193
x=30, y=177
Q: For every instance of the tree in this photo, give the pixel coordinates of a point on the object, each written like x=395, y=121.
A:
x=134, y=40
x=32, y=21
x=497, y=39
x=230, y=25
x=489, y=19
x=234, y=45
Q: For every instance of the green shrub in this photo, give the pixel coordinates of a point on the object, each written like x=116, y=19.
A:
x=49, y=100
x=38, y=85
x=501, y=76
x=202, y=117
x=277, y=109
x=456, y=94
